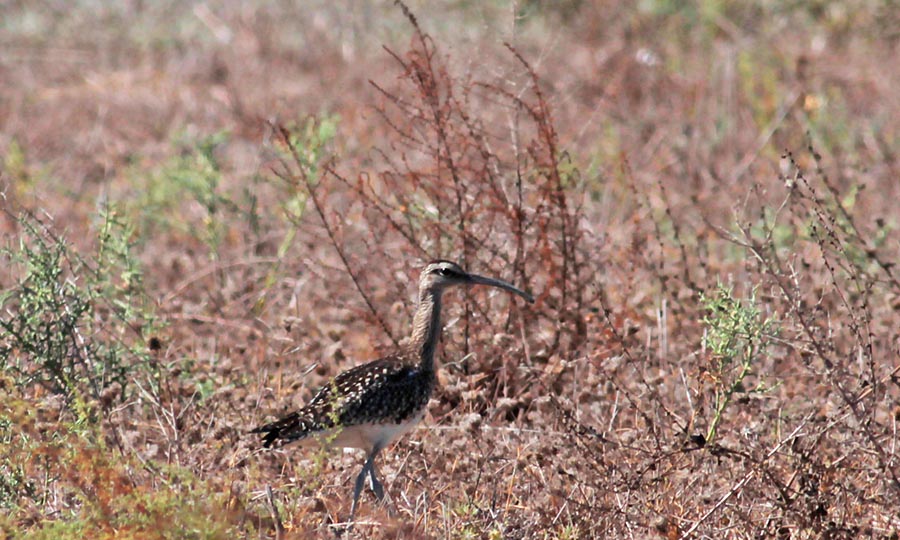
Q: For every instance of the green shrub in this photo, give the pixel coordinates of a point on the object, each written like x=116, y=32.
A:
x=71, y=324
x=736, y=336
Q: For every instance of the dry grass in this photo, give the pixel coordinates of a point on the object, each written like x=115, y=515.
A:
x=211, y=209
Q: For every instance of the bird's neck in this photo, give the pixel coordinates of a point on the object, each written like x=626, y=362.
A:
x=426, y=328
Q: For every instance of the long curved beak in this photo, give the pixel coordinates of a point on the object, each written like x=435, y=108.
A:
x=500, y=284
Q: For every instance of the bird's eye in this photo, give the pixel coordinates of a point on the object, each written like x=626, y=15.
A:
x=443, y=272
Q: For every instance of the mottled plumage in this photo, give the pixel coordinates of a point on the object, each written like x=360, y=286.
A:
x=386, y=391
x=370, y=405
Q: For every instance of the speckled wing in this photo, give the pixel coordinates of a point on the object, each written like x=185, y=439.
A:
x=386, y=391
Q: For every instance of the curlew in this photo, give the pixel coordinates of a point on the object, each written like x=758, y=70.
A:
x=372, y=404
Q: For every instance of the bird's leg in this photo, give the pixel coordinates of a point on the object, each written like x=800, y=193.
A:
x=368, y=467
x=360, y=480
x=377, y=488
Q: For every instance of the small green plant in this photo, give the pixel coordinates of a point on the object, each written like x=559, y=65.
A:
x=736, y=336
x=195, y=174
x=466, y=515
x=310, y=140
x=43, y=317
x=14, y=480
x=568, y=532
x=70, y=321
x=309, y=143
x=15, y=165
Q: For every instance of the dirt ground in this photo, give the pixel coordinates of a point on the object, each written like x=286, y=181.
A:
x=209, y=209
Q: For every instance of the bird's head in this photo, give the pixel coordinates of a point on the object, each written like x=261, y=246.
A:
x=439, y=275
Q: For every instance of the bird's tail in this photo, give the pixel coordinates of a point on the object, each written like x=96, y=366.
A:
x=292, y=427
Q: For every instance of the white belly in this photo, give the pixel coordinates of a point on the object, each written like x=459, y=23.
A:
x=367, y=436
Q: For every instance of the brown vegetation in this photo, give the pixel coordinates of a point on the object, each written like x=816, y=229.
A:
x=209, y=210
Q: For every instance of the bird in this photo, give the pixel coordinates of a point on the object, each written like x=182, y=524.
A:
x=371, y=405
